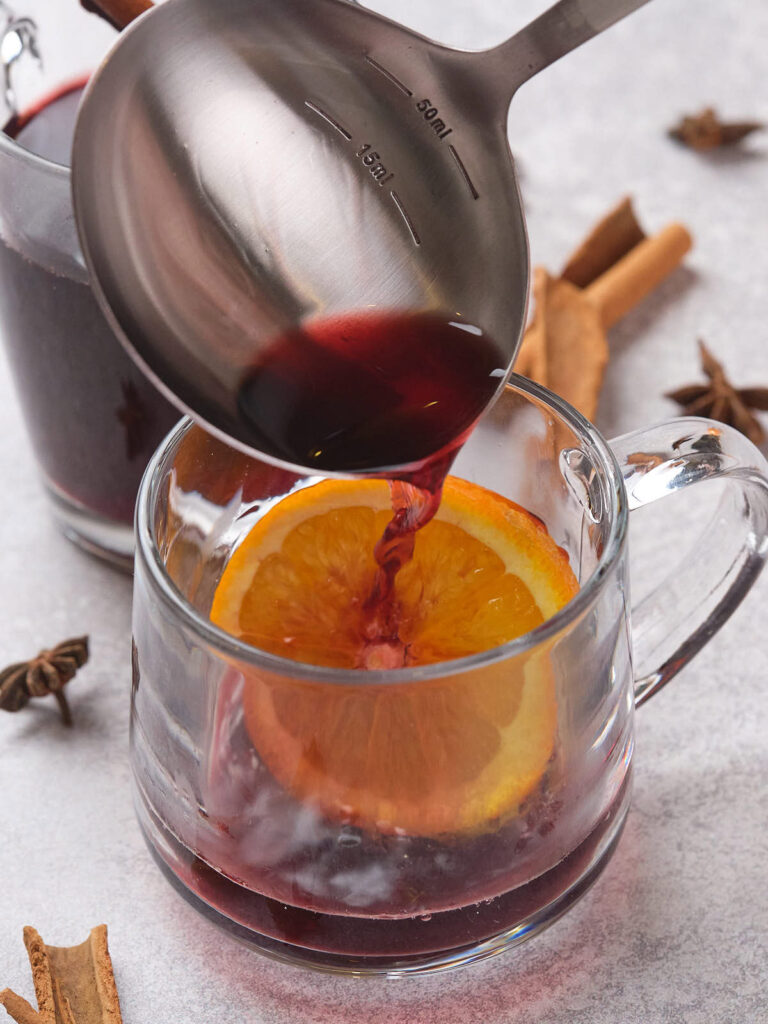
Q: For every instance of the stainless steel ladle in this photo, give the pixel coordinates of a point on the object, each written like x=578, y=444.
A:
x=241, y=167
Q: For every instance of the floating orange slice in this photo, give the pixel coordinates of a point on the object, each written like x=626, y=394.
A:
x=445, y=755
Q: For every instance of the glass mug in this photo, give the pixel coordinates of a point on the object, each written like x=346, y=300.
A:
x=92, y=417
x=313, y=889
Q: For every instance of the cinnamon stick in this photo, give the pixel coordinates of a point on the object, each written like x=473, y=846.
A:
x=118, y=13
x=644, y=267
x=566, y=339
x=609, y=240
x=73, y=984
x=615, y=267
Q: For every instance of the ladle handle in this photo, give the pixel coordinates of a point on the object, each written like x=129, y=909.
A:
x=118, y=13
x=554, y=33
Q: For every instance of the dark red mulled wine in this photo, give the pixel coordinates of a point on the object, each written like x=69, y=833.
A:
x=371, y=390
x=427, y=873
x=94, y=420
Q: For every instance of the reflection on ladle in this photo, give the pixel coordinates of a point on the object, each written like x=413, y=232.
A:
x=247, y=172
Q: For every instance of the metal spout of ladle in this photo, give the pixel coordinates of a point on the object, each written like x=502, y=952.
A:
x=245, y=169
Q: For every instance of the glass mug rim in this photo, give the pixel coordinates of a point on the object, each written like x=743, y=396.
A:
x=616, y=506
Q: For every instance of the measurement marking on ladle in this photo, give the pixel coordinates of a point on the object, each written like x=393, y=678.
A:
x=465, y=175
x=404, y=214
x=327, y=117
x=376, y=169
x=388, y=75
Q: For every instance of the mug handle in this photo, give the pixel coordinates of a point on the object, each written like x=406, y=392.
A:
x=686, y=609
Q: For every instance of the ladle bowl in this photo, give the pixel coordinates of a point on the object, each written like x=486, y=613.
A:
x=243, y=168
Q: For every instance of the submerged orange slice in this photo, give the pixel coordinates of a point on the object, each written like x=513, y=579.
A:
x=446, y=755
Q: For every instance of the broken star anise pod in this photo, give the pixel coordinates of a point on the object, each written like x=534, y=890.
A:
x=720, y=400
x=706, y=131
x=43, y=675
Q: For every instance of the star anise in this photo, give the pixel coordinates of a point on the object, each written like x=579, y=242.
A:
x=43, y=675
x=720, y=400
x=706, y=130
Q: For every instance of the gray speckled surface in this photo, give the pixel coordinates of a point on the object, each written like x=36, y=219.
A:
x=675, y=930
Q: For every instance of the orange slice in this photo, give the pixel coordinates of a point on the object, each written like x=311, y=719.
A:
x=447, y=755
